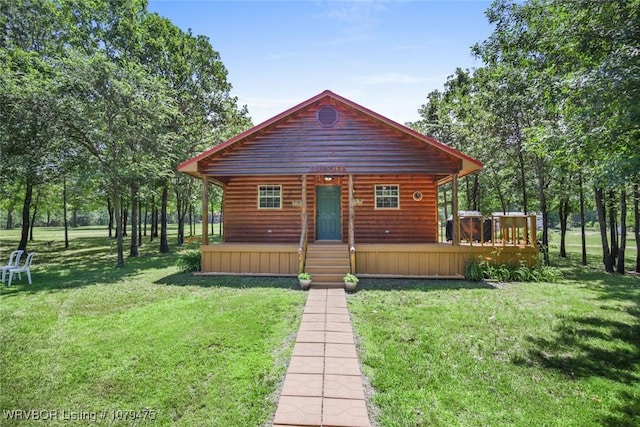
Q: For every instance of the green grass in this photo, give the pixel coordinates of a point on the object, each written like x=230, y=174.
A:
x=185, y=350
x=87, y=337
x=457, y=353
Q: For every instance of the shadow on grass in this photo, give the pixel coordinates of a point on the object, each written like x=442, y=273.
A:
x=88, y=261
x=222, y=281
x=287, y=282
x=425, y=285
x=605, y=346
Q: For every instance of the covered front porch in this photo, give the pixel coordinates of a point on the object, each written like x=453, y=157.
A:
x=438, y=260
x=511, y=239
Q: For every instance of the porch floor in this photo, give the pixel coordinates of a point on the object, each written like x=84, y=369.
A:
x=323, y=386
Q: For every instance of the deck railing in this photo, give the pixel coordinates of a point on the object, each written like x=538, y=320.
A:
x=494, y=230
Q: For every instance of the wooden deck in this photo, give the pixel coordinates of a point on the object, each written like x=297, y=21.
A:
x=437, y=260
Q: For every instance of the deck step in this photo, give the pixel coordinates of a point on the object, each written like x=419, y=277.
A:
x=327, y=263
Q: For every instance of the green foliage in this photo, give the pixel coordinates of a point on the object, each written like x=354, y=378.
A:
x=477, y=270
x=190, y=260
x=351, y=278
x=106, y=93
x=304, y=276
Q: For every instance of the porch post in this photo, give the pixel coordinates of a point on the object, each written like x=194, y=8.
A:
x=454, y=208
x=352, y=216
x=205, y=210
x=302, y=247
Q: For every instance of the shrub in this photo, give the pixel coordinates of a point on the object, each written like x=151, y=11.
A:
x=189, y=261
x=476, y=270
x=304, y=276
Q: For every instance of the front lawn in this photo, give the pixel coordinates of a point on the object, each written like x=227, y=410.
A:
x=144, y=341
x=521, y=354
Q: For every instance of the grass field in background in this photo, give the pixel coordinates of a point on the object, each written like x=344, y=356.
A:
x=140, y=341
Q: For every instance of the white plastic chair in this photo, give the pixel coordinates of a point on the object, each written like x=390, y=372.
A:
x=14, y=261
x=26, y=268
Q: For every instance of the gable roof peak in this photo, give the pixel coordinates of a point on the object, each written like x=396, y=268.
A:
x=469, y=164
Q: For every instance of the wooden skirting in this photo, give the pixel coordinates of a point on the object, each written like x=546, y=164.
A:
x=438, y=260
x=250, y=258
x=433, y=260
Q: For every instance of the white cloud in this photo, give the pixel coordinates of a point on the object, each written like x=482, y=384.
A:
x=356, y=14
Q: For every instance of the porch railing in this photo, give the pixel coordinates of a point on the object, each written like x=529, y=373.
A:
x=494, y=230
x=302, y=247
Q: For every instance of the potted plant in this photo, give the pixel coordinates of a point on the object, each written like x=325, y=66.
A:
x=305, y=280
x=350, y=282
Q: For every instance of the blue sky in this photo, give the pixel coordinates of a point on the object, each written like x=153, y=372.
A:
x=385, y=55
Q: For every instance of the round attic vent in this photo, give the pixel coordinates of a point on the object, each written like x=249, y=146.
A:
x=327, y=116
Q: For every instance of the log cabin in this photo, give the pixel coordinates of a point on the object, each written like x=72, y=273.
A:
x=331, y=187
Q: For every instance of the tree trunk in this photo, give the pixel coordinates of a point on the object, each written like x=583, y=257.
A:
x=613, y=227
x=154, y=219
x=636, y=220
x=467, y=193
x=25, y=216
x=110, y=210
x=133, y=252
x=64, y=213
x=564, y=216
x=180, y=209
x=192, y=222
x=523, y=180
x=125, y=219
x=623, y=230
x=164, y=242
x=118, y=217
x=545, y=220
x=33, y=216
x=476, y=192
x=602, y=221
x=212, y=213
x=583, y=234
x=503, y=202
x=9, y=219
x=146, y=218
x=139, y=223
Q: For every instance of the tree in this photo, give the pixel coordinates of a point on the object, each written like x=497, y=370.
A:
x=580, y=64
x=207, y=112
x=28, y=138
x=121, y=126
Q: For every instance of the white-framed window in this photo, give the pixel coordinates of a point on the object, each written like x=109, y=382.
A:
x=269, y=197
x=387, y=196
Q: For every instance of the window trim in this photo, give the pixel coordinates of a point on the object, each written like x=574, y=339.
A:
x=272, y=187
x=375, y=196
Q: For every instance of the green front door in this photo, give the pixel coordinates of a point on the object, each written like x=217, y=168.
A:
x=328, y=213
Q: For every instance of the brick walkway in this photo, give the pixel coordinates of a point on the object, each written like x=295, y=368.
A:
x=323, y=386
